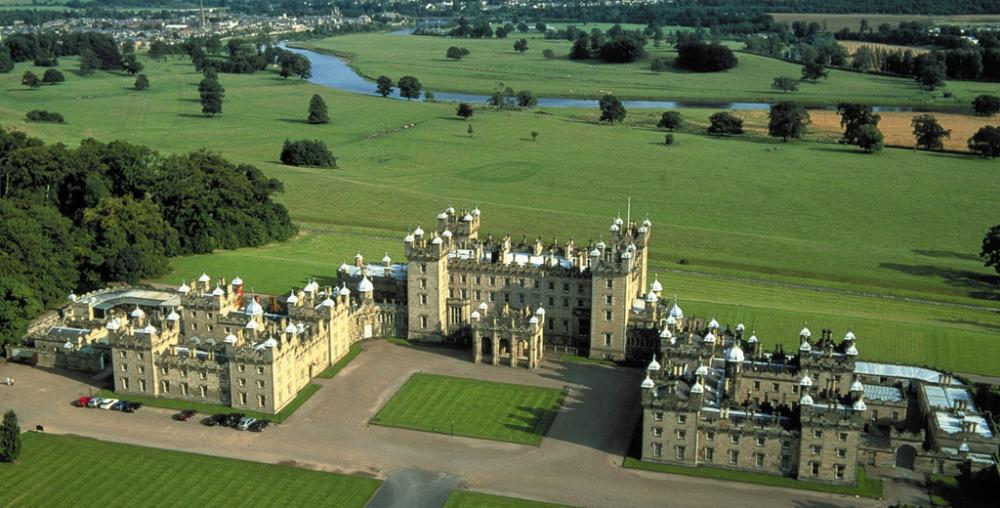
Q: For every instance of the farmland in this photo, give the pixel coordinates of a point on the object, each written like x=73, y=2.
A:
x=835, y=22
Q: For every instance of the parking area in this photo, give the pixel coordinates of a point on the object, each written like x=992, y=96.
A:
x=578, y=462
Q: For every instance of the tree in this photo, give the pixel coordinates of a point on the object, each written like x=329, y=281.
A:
x=723, y=123
x=785, y=84
x=928, y=132
x=307, y=153
x=930, y=72
x=30, y=80
x=456, y=53
x=522, y=27
x=548, y=54
x=541, y=27
x=622, y=49
x=526, y=99
x=212, y=94
x=53, y=76
x=317, y=110
x=814, y=70
x=158, y=50
x=129, y=253
x=986, y=141
x=409, y=87
x=869, y=138
x=702, y=57
x=670, y=120
x=991, y=248
x=131, y=64
x=6, y=62
x=580, y=49
x=10, y=438
x=864, y=59
x=521, y=45
x=986, y=105
x=852, y=118
x=612, y=109
x=469, y=130
x=141, y=82
x=787, y=120
x=383, y=86
x=668, y=139
x=534, y=136
x=89, y=62
x=464, y=110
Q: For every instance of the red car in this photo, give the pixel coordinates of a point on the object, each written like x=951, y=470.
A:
x=185, y=415
x=82, y=401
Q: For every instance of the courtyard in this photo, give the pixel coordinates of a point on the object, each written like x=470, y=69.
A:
x=578, y=462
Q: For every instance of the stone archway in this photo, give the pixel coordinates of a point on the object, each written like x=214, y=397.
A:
x=487, y=346
x=906, y=457
x=505, y=348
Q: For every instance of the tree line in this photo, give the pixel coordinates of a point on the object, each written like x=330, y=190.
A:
x=79, y=218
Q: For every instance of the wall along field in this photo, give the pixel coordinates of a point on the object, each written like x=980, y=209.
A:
x=774, y=234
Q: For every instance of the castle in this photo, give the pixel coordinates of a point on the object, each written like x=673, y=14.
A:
x=712, y=395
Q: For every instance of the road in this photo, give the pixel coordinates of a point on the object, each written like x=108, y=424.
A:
x=578, y=463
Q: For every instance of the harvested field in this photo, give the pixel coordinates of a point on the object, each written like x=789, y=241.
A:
x=835, y=22
x=853, y=46
x=897, y=129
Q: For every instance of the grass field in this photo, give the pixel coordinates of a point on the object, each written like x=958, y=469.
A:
x=866, y=487
x=74, y=471
x=472, y=408
x=467, y=499
x=748, y=229
x=493, y=61
x=211, y=409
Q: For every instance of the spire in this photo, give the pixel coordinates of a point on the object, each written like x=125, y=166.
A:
x=628, y=214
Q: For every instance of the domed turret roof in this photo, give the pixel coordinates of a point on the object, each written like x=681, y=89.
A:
x=627, y=254
x=540, y=311
x=849, y=336
x=475, y=314
x=805, y=347
x=618, y=220
x=218, y=291
x=173, y=316
x=805, y=332
x=653, y=365
x=753, y=338
x=533, y=320
x=419, y=231
x=651, y=297
x=150, y=329
x=71, y=296
x=437, y=240
x=290, y=328
x=251, y=325
x=740, y=327
x=734, y=354
x=344, y=291
x=483, y=306
x=665, y=334
x=450, y=209
x=184, y=289
x=254, y=308
x=697, y=389
x=446, y=233
x=806, y=400
x=713, y=324
x=614, y=228
x=647, y=222
x=702, y=370
x=408, y=238
x=675, y=310
x=851, y=351
x=366, y=286
x=709, y=338
x=230, y=339
x=386, y=259
x=656, y=286
x=270, y=343
x=443, y=215
x=237, y=281
x=806, y=381
x=964, y=447
x=476, y=212
x=204, y=277
x=467, y=218
x=859, y=405
x=137, y=312
x=601, y=245
x=671, y=320
x=113, y=324
x=327, y=302
x=647, y=383
x=312, y=287
x=595, y=252
x=292, y=299
x=856, y=386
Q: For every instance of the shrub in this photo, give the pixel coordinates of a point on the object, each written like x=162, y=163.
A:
x=668, y=139
x=38, y=115
x=670, y=120
x=703, y=57
x=986, y=105
x=723, y=123
x=986, y=141
x=307, y=153
x=548, y=54
x=53, y=76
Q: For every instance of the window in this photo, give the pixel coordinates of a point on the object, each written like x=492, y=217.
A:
x=260, y=383
x=838, y=471
x=710, y=435
x=552, y=323
x=658, y=416
x=607, y=339
x=816, y=449
x=842, y=437
x=608, y=299
x=607, y=315
x=423, y=322
x=506, y=298
x=610, y=283
x=817, y=434
x=552, y=286
x=734, y=456
x=506, y=281
x=142, y=385
x=124, y=383
x=760, y=442
x=895, y=416
x=204, y=391
x=142, y=370
x=465, y=294
x=756, y=385
x=479, y=295
x=709, y=454
x=165, y=386
x=202, y=375
x=493, y=280
x=164, y=370
x=841, y=453
x=680, y=453
x=734, y=438
x=243, y=398
x=785, y=462
x=138, y=354
x=566, y=286
x=260, y=370
x=242, y=381
x=184, y=389
x=184, y=372
x=520, y=299
x=124, y=367
x=565, y=325
x=657, y=450
x=681, y=434
x=241, y=367
x=423, y=299
x=423, y=283
x=758, y=460
x=552, y=302
x=479, y=280
x=874, y=414
x=261, y=400
x=423, y=267
x=682, y=419
x=785, y=445
x=121, y=353
x=775, y=387
x=657, y=431
x=463, y=279
x=566, y=303
x=493, y=296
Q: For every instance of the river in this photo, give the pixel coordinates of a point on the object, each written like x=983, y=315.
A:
x=330, y=71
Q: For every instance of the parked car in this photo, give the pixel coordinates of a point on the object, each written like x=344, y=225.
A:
x=245, y=423
x=108, y=403
x=95, y=402
x=214, y=420
x=259, y=425
x=232, y=419
x=185, y=415
x=132, y=406
x=82, y=401
x=120, y=405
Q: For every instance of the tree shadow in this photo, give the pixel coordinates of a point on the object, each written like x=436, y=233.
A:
x=979, y=285
x=945, y=254
x=294, y=120
x=193, y=115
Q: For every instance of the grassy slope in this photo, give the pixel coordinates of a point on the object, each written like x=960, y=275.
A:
x=493, y=61
x=900, y=222
x=467, y=499
x=73, y=471
x=472, y=408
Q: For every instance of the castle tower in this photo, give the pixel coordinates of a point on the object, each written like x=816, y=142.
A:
x=427, y=285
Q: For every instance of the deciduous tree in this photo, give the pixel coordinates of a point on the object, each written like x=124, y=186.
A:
x=30, y=80
x=670, y=120
x=723, y=123
x=787, y=120
x=986, y=141
x=53, y=76
x=785, y=84
x=141, y=82
x=986, y=105
x=521, y=45
x=869, y=138
x=410, y=87
x=464, y=110
x=853, y=117
x=317, y=110
x=612, y=109
x=383, y=86
x=928, y=132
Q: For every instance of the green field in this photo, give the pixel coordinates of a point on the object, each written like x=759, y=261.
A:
x=472, y=408
x=467, y=499
x=493, y=61
x=812, y=232
x=74, y=471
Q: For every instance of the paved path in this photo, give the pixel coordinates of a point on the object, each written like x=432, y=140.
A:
x=578, y=463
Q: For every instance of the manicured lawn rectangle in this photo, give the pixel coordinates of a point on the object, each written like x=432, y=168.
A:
x=332, y=370
x=467, y=499
x=867, y=487
x=472, y=408
x=81, y=472
x=211, y=409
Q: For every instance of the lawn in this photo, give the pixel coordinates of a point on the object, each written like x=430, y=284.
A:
x=472, y=408
x=774, y=234
x=211, y=409
x=494, y=61
x=867, y=487
x=74, y=471
x=467, y=499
